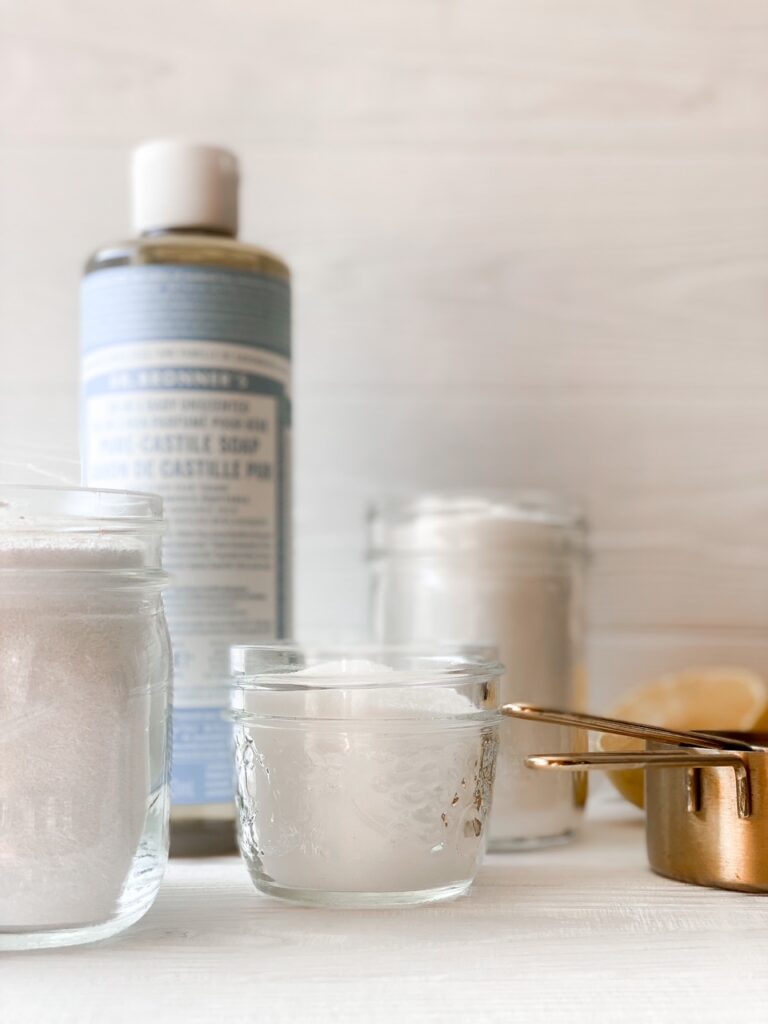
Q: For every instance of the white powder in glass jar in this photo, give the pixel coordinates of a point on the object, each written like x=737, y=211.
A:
x=364, y=788
x=505, y=575
x=75, y=657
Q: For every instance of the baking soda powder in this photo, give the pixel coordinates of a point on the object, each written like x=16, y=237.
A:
x=348, y=788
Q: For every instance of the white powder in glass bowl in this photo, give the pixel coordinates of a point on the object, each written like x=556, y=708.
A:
x=364, y=788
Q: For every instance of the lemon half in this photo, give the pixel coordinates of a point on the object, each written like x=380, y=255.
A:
x=717, y=697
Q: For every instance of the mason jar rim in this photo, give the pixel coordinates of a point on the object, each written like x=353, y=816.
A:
x=79, y=537
x=432, y=666
x=427, y=523
x=521, y=504
x=30, y=506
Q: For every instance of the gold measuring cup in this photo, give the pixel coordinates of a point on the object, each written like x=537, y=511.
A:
x=706, y=799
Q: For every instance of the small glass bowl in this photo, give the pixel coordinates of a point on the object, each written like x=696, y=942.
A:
x=365, y=775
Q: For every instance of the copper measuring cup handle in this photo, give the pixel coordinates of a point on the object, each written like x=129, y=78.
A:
x=597, y=723
x=656, y=759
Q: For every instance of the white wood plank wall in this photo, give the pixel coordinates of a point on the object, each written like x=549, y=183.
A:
x=530, y=241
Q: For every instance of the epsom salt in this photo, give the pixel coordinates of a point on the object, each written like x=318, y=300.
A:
x=74, y=714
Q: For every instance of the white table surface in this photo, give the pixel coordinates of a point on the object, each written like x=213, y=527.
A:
x=579, y=933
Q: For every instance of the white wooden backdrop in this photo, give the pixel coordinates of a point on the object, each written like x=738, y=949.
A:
x=530, y=241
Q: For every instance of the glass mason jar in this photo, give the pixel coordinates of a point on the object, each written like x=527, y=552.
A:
x=364, y=776
x=505, y=572
x=84, y=713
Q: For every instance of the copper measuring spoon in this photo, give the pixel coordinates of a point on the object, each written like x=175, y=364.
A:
x=700, y=828
x=638, y=730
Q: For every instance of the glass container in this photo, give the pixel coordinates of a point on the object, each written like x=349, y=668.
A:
x=84, y=695
x=504, y=571
x=364, y=776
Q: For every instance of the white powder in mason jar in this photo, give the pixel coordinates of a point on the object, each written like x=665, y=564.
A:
x=74, y=716
x=375, y=790
x=504, y=574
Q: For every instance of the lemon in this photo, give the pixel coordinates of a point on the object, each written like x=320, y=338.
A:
x=717, y=697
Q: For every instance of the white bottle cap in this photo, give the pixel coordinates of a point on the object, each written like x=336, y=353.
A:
x=183, y=185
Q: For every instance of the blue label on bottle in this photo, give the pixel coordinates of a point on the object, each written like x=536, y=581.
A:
x=203, y=763
x=186, y=393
